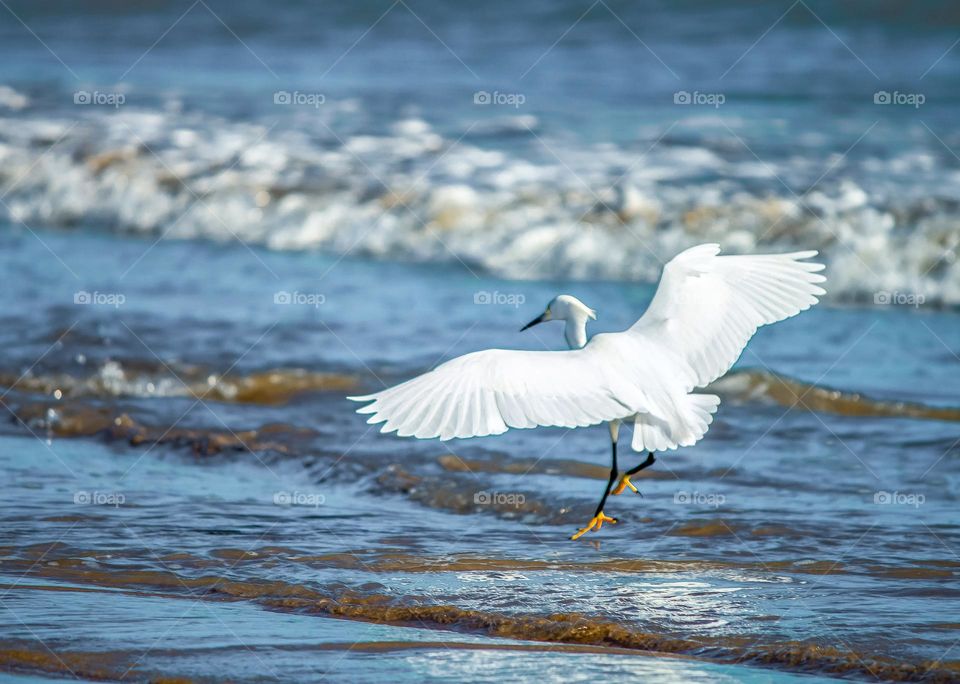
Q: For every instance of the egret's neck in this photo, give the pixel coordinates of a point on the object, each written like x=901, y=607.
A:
x=575, y=331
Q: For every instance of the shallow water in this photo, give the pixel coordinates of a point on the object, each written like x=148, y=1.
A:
x=192, y=445
x=197, y=275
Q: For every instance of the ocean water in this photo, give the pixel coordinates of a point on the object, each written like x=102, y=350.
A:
x=219, y=219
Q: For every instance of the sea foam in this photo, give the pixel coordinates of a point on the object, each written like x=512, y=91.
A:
x=554, y=208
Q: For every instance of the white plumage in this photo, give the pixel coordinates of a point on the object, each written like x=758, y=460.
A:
x=704, y=312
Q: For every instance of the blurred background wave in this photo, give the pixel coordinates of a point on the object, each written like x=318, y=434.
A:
x=532, y=140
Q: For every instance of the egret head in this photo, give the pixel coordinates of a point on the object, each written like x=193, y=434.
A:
x=564, y=308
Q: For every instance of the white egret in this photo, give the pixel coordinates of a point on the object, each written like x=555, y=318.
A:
x=705, y=310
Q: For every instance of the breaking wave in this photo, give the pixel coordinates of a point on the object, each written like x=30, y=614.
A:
x=532, y=208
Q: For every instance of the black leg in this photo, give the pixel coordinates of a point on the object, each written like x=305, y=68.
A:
x=646, y=464
x=613, y=476
x=625, y=480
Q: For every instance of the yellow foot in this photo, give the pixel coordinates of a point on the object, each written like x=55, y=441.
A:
x=595, y=524
x=623, y=484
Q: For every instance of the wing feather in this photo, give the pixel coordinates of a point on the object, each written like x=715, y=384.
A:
x=707, y=307
x=705, y=310
x=487, y=392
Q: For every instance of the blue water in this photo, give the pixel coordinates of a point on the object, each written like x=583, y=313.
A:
x=148, y=362
x=584, y=163
x=771, y=490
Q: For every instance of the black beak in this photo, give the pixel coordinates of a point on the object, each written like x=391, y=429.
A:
x=538, y=319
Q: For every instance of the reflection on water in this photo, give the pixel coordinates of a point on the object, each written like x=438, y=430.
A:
x=210, y=469
x=206, y=639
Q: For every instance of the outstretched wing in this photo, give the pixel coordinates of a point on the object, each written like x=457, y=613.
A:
x=707, y=307
x=487, y=392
